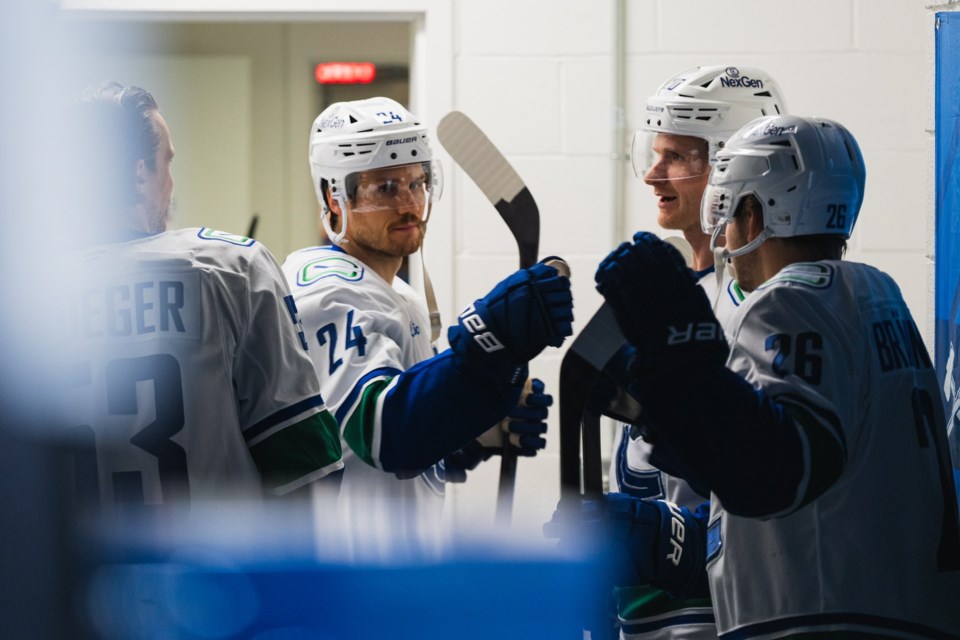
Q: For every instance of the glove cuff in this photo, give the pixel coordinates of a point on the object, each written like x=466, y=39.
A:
x=677, y=562
x=496, y=366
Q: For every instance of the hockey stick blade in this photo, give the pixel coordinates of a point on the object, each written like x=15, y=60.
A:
x=504, y=188
x=497, y=179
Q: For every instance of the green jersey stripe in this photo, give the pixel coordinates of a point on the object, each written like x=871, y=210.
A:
x=644, y=602
x=301, y=449
x=360, y=428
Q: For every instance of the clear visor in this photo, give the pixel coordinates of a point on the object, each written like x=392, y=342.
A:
x=666, y=156
x=716, y=208
x=406, y=187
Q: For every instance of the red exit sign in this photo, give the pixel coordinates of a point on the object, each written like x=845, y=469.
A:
x=345, y=72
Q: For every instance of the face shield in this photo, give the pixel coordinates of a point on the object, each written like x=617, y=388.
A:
x=733, y=178
x=716, y=208
x=660, y=157
x=409, y=187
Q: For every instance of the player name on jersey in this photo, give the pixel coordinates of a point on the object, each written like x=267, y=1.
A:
x=899, y=346
x=167, y=304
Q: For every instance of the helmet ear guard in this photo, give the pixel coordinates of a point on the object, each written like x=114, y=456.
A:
x=807, y=173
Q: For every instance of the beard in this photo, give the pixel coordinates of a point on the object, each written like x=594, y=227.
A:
x=160, y=222
x=380, y=242
x=158, y=218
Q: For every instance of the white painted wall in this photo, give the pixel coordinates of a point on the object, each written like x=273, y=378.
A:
x=539, y=78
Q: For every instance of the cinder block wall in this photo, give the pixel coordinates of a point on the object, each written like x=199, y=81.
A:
x=540, y=80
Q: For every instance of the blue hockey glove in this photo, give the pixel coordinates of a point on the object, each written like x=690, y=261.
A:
x=659, y=306
x=527, y=312
x=523, y=427
x=638, y=541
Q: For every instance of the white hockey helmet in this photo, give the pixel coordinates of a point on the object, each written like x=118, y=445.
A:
x=807, y=173
x=710, y=103
x=349, y=140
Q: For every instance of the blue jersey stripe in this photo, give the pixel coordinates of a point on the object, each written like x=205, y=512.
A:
x=282, y=415
x=380, y=372
x=855, y=621
x=703, y=273
x=714, y=540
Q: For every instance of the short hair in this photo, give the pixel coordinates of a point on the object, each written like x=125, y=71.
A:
x=822, y=246
x=112, y=123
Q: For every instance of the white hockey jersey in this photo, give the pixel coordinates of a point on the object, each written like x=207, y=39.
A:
x=645, y=612
x=863, y=556
x=188, y=373
x=362, y=333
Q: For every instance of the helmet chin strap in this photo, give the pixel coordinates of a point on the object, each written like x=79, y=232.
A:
x=721, y=264
x=333, y=236
x=722, y=255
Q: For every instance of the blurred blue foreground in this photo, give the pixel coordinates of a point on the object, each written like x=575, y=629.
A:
x=460, y=598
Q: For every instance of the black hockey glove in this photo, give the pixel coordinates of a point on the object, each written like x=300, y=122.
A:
x=527, y=312
x=660, y=308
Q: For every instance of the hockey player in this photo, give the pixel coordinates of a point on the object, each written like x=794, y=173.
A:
x=686, y=122
x=822, y=439
x=190, y=375
x=401, y=408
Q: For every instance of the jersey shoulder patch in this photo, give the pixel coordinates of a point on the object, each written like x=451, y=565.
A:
x=817, y=275
x=329, y=265
x=207, y=233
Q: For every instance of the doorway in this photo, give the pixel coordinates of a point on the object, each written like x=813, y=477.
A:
x=240, y=98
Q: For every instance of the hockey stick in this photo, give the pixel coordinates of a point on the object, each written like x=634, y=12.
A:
x=497, y=179
x=584, y=362
x=590, y=352
x=504, y=188
x=254, y=221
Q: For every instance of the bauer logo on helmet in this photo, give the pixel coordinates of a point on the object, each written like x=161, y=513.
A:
x=402, y=140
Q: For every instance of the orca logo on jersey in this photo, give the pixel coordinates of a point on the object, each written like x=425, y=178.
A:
x=694, y=332
x=329, y=267
x=678, y=533
x=473, y=323
x=223, y=236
